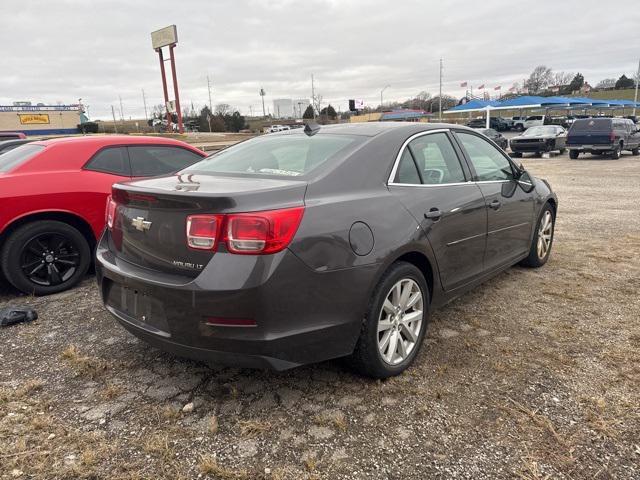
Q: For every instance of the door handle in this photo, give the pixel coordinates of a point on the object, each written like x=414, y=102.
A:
x=433, y=214
x=495, y=204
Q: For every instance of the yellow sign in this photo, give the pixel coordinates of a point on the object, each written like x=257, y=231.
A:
x=33, y=118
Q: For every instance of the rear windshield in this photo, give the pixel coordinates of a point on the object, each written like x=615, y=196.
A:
x=591, y=124
x=283, y=155
x=18, y=156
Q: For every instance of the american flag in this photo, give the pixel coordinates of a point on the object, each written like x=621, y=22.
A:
x=481, y=87
x=463, y=84
x=498, y=87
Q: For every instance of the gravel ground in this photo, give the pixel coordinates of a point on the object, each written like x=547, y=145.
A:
x=533, y=375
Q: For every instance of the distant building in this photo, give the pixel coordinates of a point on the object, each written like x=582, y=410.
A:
x=290, y=108
x=41, y=119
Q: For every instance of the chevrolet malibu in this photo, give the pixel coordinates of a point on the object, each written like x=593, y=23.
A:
x=303, y=246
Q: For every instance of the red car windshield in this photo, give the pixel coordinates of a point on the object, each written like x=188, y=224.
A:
x=18, y=156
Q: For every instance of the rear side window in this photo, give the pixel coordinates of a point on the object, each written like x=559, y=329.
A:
x=150, y=160
x=407, y=171
x=13, y=158
x=592, y=124
x=286, y=155
x=111, y=160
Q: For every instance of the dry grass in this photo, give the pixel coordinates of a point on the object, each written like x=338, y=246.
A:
x=541, y=421
x=112, y=391
x=85, y=365
x=253, y=428
x=158, y=444
x=335, y=419
x=208, y=465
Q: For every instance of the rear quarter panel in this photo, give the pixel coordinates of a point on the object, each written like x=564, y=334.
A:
x=82, y=193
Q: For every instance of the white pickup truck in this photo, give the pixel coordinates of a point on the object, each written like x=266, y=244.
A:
x=522, y=123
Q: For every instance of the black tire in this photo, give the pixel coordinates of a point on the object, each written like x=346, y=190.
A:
x=65, y=258
x=615, y=153
x=573, y=154
x=537, y=154
x=635, y=151
x=366, y=358
x=517, y=154
x=534, y=259
x=562, y=150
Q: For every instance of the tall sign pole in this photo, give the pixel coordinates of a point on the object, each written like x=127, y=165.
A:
x=164, y=87
x=168, y=37
x=175, y=87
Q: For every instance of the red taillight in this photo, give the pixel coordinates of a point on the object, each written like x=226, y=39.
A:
x=203, y=231
x=262, y=232
x=245, y=233
x=612, y=136
x=110, y=212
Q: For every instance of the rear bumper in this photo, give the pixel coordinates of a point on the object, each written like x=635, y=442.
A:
x=591, y=148
x=301, y=316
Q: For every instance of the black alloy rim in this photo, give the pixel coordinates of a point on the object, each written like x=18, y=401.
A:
x=49, y=259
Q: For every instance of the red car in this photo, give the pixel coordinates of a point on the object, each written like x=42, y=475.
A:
x=52, y=201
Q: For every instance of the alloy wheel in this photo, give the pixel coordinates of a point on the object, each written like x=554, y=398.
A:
x=400, y=321
x=545, y=233
x=49, y=259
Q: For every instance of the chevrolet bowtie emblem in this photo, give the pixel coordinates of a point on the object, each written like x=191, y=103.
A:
x=139, y=223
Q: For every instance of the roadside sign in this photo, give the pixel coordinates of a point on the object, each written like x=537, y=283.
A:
x=163, y=37
x=171, y=106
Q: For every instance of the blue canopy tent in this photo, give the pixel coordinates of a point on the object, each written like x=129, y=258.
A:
x=529, y=102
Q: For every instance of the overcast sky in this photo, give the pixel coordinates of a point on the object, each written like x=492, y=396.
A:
x=59, y=51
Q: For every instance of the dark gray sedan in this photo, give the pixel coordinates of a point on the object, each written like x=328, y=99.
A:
x=302, y=246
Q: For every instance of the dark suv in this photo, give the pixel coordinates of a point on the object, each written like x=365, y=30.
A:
x=600, y=135
x=496, y=123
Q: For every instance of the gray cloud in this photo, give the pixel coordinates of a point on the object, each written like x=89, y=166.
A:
x=64, y=50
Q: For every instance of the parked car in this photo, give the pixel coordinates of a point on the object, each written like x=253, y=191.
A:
x=53, y=195
x=277, y=128
x=547, y=138
x=11, y=135
x=533, y=121
x=6, y=145
x=494, y=122
x=494, y=135
x=603, y=135
x=309, y=245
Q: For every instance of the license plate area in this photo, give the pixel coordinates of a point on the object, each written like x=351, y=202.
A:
x=139, y=307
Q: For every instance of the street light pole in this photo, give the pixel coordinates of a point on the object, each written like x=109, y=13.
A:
x=635, y=101
x=381, y=92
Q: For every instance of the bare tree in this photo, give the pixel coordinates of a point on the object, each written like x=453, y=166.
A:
x=317, y=102
x=560, y=79
x=158, y=111
x=539, y=79
x=223, y=109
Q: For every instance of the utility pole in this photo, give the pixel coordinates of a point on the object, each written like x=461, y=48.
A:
x=635, y=101
x=250, y=111
x=113, y=114
x=262, y=94
x=440, y=94
x=313, y=98
x=121, y=110
x=209, y=88
x=144, y=102
x=381, y=92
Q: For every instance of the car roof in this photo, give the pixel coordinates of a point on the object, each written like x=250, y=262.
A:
x=371, y=129
x=104, y=140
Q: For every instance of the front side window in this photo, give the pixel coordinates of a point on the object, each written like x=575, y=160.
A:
x=436, y=159
x=153, y=160
x=488, y=162
x=13, y=158
x=286, y=155
x=112, y=160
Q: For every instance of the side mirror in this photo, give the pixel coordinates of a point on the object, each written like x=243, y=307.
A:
x=525, y=181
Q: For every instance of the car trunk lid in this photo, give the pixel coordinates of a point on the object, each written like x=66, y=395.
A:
x=150, y=225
